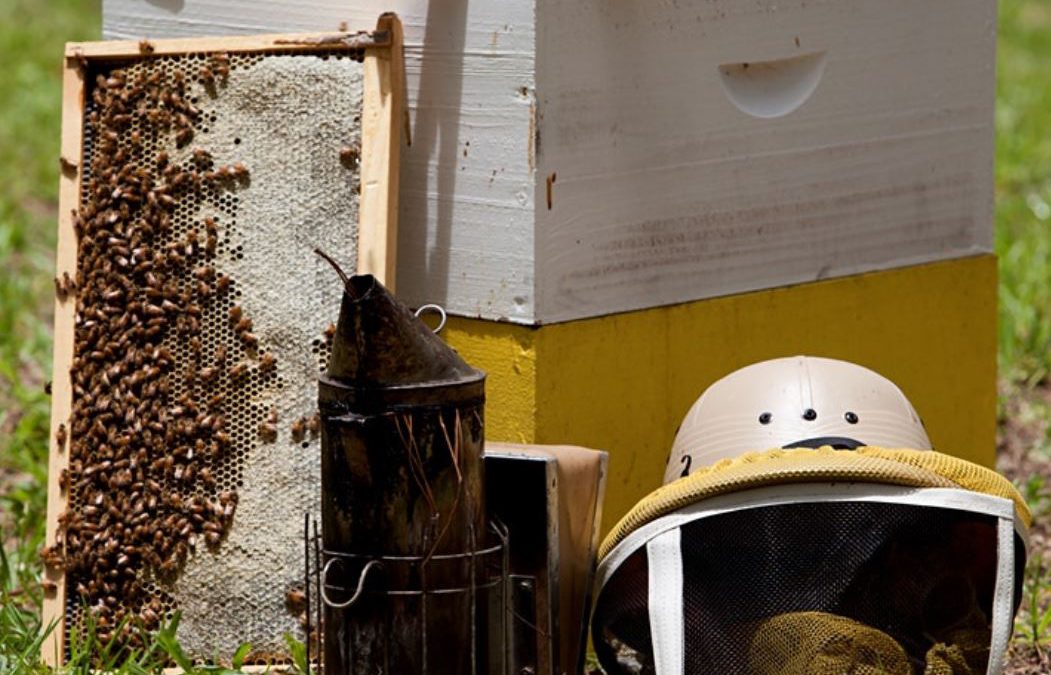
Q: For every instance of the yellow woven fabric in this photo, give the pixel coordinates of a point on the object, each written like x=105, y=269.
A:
x=945, y=659
x=816, y=643
x=910, y=468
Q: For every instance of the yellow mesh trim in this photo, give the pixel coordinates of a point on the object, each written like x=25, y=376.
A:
x=909, y=468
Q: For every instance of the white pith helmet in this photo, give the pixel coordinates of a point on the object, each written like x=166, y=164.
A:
x=798, y=401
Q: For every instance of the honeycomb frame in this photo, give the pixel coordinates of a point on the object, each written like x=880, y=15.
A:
x=380, y=125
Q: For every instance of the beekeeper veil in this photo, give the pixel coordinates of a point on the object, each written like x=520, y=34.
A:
x=807, y=527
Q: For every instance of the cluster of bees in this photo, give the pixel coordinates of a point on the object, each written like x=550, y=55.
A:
x=142, y=460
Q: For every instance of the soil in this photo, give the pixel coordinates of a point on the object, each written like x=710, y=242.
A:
x=1022, y=457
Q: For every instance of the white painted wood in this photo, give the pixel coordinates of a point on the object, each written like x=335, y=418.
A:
x=666, y=190
x=470, y=79
x=675, y=172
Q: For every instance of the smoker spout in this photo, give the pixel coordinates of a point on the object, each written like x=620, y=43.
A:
x=380, y=342
x=383, y=353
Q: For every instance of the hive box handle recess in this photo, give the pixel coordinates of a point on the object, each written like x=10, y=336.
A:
x=768, y=89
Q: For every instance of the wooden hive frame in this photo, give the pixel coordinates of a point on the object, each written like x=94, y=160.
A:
x=381, y=124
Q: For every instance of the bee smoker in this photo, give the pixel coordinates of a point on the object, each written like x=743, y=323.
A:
x=403, y=516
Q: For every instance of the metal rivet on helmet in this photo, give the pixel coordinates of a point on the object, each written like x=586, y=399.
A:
x=810, y=414
x=765, y=418
x=851, y=418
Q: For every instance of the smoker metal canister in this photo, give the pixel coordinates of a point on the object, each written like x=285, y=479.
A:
x=402, y=440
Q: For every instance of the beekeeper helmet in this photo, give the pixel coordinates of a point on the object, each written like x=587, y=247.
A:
x=800, y=401
x=803, y=560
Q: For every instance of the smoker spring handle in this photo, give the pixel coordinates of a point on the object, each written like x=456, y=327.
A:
x=357, y=592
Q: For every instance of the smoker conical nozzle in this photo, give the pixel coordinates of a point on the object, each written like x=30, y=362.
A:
x=383, y=354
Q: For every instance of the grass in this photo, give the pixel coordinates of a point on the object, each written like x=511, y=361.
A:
x=30, y=103
x=1023, y=242
x=30, y=106
x=1023, y=190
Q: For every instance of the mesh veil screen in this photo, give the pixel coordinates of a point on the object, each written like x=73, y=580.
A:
x=768, y=589
x=623, y=634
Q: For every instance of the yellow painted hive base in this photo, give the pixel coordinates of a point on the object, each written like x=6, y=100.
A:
x=623, y=382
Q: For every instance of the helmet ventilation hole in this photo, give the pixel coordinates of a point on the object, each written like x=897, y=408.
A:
x=765, y=418
x=851, y=418
x=810, y=414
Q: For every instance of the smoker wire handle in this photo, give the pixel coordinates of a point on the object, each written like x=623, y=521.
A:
x=357, y=592
x=431, y=307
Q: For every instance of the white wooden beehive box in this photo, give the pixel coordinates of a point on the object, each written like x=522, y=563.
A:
x=574, y=159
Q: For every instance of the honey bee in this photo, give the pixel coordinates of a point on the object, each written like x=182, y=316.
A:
x=207, y=76
x=60, y=436
x=222, y=283
x=53, y=557
x=237, y=371
x=268, y=432
x=235, y=313
x=80, y=58
x=298, y=429
x=295, y=600
x=183, y=137
x=267, y=362
x=145, y=47
x=245, y=324
x=314, y=424
x=249, y=339
x=330, y=332
x=64, y=286
x=221, y=65
x=349, y=155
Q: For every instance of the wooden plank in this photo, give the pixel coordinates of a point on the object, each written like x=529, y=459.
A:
x=114, y=50
x=383, y=67
x=65, y=310
x=384, y=86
